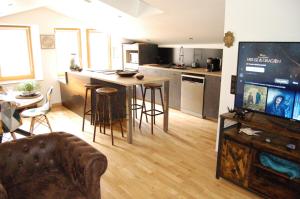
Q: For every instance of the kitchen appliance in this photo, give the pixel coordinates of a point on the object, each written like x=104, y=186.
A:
x=213, y=64
x=192, y=92
x=138, y=54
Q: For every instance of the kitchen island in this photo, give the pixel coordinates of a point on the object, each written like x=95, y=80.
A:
x=72, y=89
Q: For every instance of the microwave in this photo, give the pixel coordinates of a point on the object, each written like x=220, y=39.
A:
x=138, y=54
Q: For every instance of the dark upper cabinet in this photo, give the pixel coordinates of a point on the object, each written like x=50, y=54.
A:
x=147, y=53
x=139, y=54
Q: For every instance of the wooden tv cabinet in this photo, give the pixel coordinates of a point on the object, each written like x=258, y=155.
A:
x=238, y=154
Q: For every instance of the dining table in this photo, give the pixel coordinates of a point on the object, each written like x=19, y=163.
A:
x=18, y=103
x=129, y=83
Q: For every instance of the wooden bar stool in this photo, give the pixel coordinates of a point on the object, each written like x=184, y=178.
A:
x=105, y=97
x=153, y=111
x=135, y=105
x=91, y=88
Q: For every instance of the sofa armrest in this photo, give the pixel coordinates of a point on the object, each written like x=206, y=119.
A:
x=3, y=193
x=83, y=163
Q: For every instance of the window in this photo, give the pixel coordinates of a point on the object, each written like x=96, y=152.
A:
x=68, y=43
x=116, y=53
x=16, y=61
x=98, y=49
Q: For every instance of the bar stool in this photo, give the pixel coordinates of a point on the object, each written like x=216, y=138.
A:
x=135, y=106
x=91, y=88
x=105, y=97
x=153, y=111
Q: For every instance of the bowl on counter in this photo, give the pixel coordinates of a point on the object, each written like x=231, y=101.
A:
x=126, y=73
x=139, y=76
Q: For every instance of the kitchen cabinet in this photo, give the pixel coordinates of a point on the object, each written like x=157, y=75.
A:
x=211, y=90
x=211, y=97
x=174, y=89
x=73, y=94
x=139, y=54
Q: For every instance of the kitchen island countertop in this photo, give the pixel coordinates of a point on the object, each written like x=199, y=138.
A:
x=124, y=81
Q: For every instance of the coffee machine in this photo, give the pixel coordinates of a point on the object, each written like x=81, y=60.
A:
x=213, y=64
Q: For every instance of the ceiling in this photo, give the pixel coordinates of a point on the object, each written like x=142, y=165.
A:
x=158, y=21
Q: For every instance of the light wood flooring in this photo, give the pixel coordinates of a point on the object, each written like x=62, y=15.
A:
x=177, y=164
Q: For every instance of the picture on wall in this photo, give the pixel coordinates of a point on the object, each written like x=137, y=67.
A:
x=47, y=41
x=255, y=97
x=280, y=102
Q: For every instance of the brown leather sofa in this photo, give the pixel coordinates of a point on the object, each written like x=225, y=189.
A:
x=50, y=166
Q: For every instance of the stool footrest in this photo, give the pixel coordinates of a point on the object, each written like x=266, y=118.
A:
x=89, y=112
x=155, y=110
x=136, y=106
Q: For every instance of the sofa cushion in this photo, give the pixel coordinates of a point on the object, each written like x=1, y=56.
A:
x=49, y=185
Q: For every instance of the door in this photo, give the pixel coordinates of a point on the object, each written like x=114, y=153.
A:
x=235, y=162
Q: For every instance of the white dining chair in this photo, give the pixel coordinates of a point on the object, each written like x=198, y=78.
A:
x=39, y=115
x=9, y=118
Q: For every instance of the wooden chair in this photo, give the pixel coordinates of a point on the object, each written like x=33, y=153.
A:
x=89, y=88
x=135, y=106
x=105, y=97
x=153, y=111
x=38, y=115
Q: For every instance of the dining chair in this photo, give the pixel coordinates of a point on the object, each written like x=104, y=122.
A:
x=9, y=119
x=39, y=115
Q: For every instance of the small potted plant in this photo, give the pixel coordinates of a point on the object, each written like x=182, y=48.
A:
x=28, y=88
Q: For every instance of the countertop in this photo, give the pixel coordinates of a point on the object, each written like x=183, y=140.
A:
x=191, y=70
x=116, y=79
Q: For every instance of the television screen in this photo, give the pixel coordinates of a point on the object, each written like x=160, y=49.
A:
x=268, y=78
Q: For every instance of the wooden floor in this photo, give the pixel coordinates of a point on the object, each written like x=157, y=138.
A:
x=177, y=164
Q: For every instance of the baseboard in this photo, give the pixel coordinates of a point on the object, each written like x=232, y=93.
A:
x=56, y=104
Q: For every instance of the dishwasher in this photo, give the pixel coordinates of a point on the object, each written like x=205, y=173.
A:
x=192, y=93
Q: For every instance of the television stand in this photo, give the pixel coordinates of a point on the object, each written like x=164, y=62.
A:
x=289, y=125
x=238, y=154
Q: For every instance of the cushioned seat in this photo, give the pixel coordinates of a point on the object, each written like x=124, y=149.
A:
x=50, y=185
x=106, y=91
x=152, y=85
x=50, y=166
x=34, y=112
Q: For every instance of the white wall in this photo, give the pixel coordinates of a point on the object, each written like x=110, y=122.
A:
x=255, y=20
x=46, y=20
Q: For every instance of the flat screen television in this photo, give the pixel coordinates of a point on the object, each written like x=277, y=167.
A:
x=268, y=78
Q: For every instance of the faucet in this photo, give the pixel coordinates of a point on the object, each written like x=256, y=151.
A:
x=181, y=56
